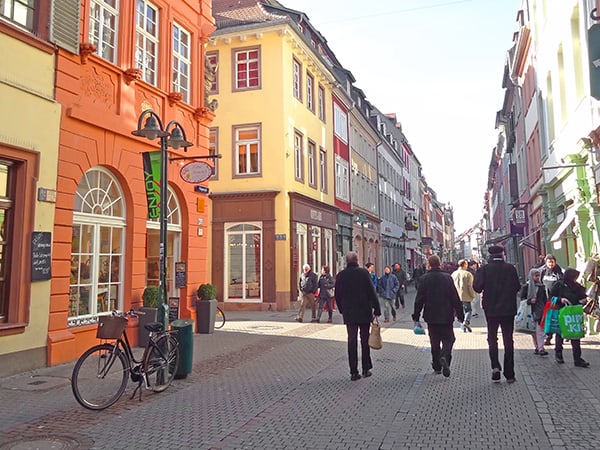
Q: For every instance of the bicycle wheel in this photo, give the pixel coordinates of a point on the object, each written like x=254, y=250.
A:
x=220, y=318
x=160, y=364
x=100, y=377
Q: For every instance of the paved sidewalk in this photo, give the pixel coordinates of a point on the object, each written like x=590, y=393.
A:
x=265, y=381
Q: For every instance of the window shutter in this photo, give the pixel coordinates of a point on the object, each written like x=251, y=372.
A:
x=64, y=25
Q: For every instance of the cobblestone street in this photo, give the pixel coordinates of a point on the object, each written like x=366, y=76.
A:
x=265, y=381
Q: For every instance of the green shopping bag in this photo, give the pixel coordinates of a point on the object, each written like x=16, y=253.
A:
x=570, y=319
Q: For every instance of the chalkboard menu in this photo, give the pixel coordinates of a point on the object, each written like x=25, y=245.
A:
x=41, y=255
x=180, y=275
x=173, y=308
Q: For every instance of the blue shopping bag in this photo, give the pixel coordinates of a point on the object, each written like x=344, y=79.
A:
x=551, y=322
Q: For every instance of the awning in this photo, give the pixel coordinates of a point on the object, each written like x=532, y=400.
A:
x=564, y=224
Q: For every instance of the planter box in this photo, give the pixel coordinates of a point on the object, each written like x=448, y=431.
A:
x=206, y=311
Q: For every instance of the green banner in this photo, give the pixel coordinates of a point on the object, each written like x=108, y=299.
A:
x=152, y=162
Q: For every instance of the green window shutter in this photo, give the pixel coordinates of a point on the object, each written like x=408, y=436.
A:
x=64, y=24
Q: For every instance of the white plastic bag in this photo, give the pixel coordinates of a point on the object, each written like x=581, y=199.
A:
x=524, y=319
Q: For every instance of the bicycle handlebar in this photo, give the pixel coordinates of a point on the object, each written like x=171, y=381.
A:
x=130, y=313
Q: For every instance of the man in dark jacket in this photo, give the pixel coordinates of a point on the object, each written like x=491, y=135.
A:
x=439, y=300
x=402, y=279
x=499, y=283
x=308, y=284
x=358, y=303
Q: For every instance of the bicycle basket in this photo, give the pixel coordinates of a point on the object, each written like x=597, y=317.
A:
x=110, y=327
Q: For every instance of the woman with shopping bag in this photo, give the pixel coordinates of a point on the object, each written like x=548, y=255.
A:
x=569, y=291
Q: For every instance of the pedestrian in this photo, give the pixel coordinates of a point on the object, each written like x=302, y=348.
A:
x=438, y=299
x=499, y=284
x=307, y=284
x=358, y=303
x=402, y=279
x=550, y=273
x=326, y=284
x=536, y=296
x=569, y=291
x=463, y=281
x=476, y=303
x=387, y=286
x=371, y=268
x=417, y=273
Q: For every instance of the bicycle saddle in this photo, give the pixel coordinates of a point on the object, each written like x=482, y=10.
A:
x=154, y=326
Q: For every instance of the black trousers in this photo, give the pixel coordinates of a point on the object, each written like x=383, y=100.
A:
x=575, y=344
x=353, y=331
x=441, y=337
x=507, y=324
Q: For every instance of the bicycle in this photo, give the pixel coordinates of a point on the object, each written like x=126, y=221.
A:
x=220, y=318
x=101, y=373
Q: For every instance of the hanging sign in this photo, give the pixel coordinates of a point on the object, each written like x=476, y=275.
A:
x=196, y=172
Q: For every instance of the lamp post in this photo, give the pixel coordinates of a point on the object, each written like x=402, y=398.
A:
x=173, y=135
x=362, y=220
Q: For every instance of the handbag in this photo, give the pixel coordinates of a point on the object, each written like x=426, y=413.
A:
x=551, y=323
x=524, y=319
x=570, y=319
x=375, y=341
x=590, y=306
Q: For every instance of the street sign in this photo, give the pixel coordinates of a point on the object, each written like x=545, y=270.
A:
x=201, y=189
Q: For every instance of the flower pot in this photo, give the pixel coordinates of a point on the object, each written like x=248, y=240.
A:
x=206, y=311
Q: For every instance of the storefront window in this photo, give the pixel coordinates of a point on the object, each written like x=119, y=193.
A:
x=243, y=262
x=173, y=245
x=96, y=248
x=6, y=206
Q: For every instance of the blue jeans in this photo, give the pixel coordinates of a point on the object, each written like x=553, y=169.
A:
x=467, y=309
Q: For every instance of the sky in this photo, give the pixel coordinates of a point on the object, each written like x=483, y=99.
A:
x=437, y=64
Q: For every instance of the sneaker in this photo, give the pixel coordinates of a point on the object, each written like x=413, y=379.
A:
x=511, y=380
x=354, y=377
x=582, y=363
x=536, y=352
x=542, y=353
x=437, y=371
x=298, y=319
x=445, y=367
x=559, y=358
x=474, y=315
x=367, y=373
x=496, y=375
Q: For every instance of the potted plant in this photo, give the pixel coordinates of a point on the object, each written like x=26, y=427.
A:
x=151, y=299
x=206, y=308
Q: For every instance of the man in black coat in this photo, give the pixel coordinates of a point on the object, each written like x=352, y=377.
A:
x=500, y=284
x=357, y=302
x=438, y=298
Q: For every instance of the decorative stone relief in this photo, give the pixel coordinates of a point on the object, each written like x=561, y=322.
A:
x=85, y=50
x=132, y=74
x=97, y=87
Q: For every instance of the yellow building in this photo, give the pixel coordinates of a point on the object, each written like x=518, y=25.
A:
x=273, y=190
x=29, y=123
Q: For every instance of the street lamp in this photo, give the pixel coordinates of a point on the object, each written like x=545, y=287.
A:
x=173, y=135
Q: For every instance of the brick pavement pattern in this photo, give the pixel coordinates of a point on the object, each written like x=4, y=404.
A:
x=265, y=381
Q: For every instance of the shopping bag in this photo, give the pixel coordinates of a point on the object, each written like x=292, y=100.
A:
x=570, y=319
x=375, y=341
x=551, y=324
x=546, y=308
x=524, y=319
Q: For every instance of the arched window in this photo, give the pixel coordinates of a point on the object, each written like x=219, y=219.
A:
x=173, y=245
x=243, y=262
x=96, y=247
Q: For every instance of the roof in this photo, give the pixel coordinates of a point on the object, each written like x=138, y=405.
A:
x=230, y=13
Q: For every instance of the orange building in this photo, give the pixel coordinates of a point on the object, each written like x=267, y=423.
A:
x=126, y=57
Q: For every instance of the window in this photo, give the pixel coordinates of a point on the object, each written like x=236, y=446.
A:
x=146, y=45
x=297, y=79
x=312, y=164
x=298, y=157
x=97, y=243
x=20, y=12
x=243, y=262
x=173, y=246
x=310, y=91
x=323, y=169
x=213, y=149
x=340, y=123
x=247, y=69
x=321, y=102
x=213, y=61
x=247, y=150
x=341, y=179
x=104, y=21
x=7, y=193
x=181, y=61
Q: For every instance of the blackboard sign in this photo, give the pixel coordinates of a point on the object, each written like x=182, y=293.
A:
x=41, y=255
x=180, y=275
x=173, y=308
